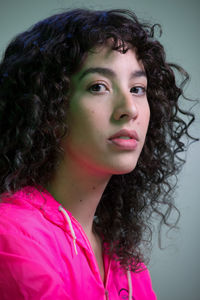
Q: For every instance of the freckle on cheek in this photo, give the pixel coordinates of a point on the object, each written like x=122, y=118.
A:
x=91, y=111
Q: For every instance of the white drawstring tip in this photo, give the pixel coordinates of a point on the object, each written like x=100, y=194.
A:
x=63, y=211
x=74, y=241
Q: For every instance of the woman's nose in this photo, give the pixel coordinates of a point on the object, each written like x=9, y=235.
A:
x=126, y=107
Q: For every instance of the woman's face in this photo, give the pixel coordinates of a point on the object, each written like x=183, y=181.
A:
x=108, y=94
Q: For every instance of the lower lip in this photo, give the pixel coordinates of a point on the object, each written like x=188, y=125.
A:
x=123, y=144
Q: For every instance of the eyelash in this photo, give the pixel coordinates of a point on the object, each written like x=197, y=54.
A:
x=97, y=84
x=141, y=88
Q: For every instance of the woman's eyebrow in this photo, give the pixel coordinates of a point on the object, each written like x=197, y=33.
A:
x=110, y=73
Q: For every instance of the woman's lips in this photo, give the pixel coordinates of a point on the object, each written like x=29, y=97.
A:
x=125, y=139
x=124, y=144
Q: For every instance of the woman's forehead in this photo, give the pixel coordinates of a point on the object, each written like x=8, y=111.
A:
x=111, y=64
x=105, y=54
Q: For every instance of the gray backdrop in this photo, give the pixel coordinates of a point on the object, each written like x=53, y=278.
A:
x=175, y=271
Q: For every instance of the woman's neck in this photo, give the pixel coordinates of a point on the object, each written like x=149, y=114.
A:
x=79, y=190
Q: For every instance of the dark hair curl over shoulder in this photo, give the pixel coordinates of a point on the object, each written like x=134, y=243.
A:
x=34, y=84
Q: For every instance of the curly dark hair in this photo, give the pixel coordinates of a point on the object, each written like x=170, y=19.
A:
x=34, y=84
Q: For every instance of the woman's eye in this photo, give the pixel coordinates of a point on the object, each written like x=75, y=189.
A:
x=98, y=88
x=138, y=90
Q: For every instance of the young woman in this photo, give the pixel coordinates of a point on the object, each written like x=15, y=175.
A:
x=90, y=135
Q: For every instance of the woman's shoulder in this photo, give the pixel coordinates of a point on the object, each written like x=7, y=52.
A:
x=17, y=214
x=27, y=251
x=24, y=231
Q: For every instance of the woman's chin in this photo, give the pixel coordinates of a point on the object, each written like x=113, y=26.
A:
x=124, y=169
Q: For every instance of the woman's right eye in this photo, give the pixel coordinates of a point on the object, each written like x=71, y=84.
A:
x=98, y=88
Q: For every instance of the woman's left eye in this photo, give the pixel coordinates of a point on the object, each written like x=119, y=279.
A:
x=138, y=90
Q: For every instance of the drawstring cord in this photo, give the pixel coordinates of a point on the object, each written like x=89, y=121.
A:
x=63, y=211
x=65, y=214
x=129, y=285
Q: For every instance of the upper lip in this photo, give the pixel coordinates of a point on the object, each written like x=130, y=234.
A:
x=125, y=132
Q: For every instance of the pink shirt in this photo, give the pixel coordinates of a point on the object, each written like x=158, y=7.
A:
x=45, y=255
